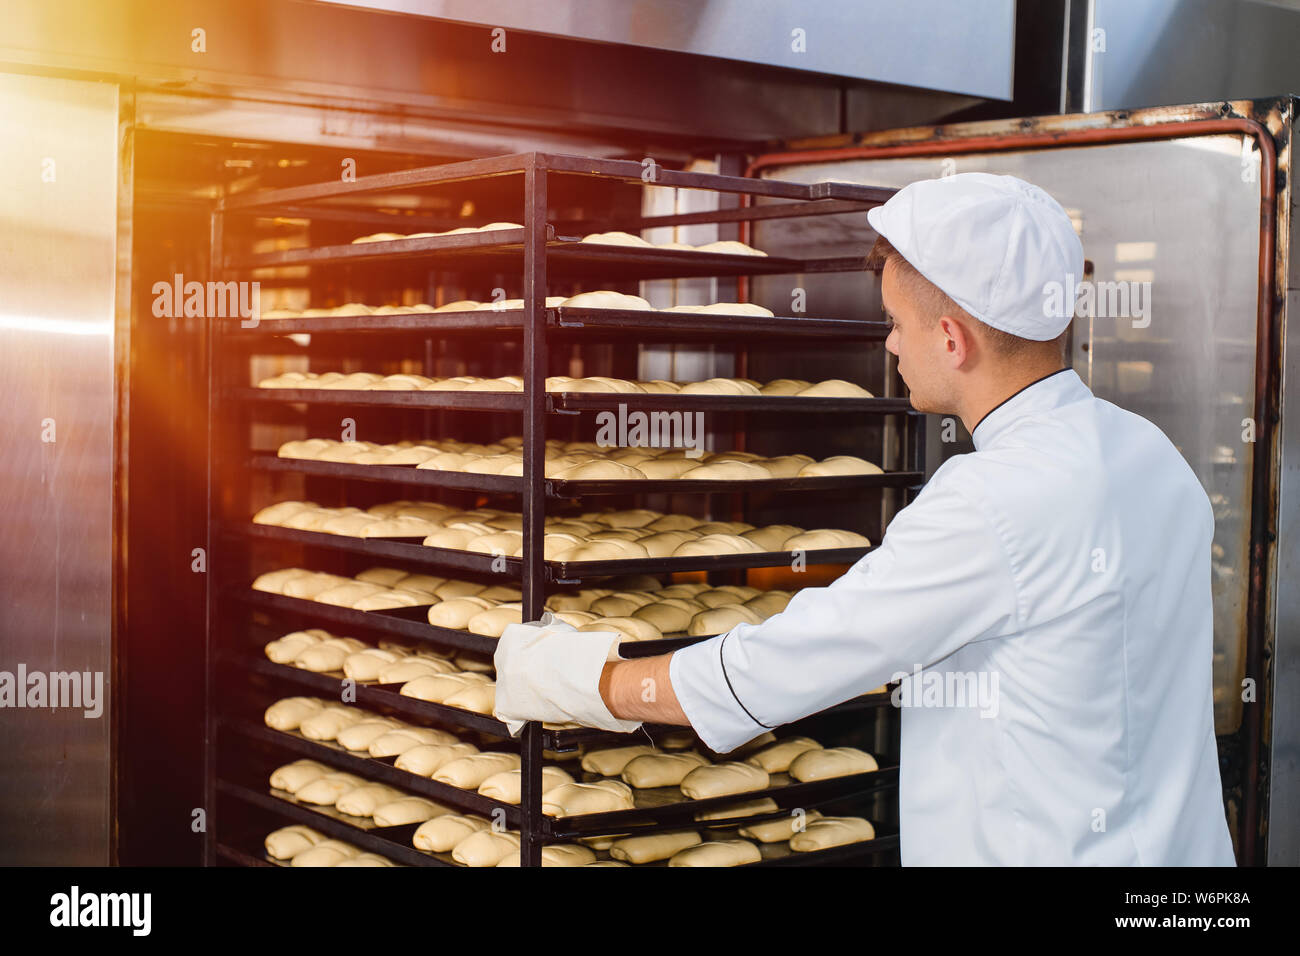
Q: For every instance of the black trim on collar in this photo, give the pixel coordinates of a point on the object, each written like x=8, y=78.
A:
x=1014, y=394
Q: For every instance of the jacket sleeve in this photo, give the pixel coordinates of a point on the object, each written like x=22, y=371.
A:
x=940, y=579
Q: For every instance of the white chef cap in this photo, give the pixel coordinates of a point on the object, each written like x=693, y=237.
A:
x=1001, y=248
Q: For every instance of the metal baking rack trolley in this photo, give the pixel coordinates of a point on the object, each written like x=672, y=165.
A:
x=241, y=681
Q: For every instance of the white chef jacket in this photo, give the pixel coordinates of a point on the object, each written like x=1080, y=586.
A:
x=1064, y=568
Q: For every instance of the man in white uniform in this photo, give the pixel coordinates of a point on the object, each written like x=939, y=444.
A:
x=1047, y=596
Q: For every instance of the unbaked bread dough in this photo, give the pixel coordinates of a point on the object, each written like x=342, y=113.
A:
x=284, y=649
x=327, y=853
x=362, y=801
x=409, y=668
x=557, y=854
x=456, y=612
x=365, y=859
x=424, y=760
x=628, y=628
x=507, y=786
x=493, y=622
x=478, y=698
x=615, y=239
x=325, y=790
x=727, y=471
x=289, y=713
x=606, y=299
x=485, y=847
x=839, y=465
x=442, y=833
x=825, y=538
x=661, y=769
x=832, y=831
x=364, y=666
x=573, y=799
x=667, y=618
x=720, y=620
x=834, y=388
x=611, y=761
x=656, y=846
x=437, y=688
x=359, y=735
x=718, y=853
x=468, y=773
x=406, y=810
x=733, y=810
x=721, y=779
x=730, y=247
x=397, y=742
x=777, y=831
x=831, y=762
x=327, y=724
x=777, y=757
x=785, y=386
x=292, y=777
x=289, y=841
x=721, y=543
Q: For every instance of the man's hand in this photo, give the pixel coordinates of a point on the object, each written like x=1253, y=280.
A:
x=551, y=672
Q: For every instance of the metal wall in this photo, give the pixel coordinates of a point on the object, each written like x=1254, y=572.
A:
x=58, y=222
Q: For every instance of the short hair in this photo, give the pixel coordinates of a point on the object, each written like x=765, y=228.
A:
x=935, y=303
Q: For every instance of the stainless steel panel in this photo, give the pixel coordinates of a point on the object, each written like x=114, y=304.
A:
x=1183, y=215
x=58, y=220
x=1164, y=52
x=968, y=44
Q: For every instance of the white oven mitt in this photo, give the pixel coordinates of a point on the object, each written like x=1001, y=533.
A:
x=548, y=670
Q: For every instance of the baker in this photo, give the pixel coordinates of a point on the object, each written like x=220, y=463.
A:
x=1067, y=558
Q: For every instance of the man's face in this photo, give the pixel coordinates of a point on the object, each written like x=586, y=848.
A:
x=920, y=350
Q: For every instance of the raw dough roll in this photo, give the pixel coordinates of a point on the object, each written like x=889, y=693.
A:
x=284, y=649
x=457, y=612
x=717, y=597
x=835, y=388
x=831, y=762
x=765, y=605
x=327, y=724
x=718, y=853
x=292, y=777
x=826, y=538
x=282, y=511
x=611, y=761
x=727, y=471
x=730, y=247
x=610, y=550
x=409, y=668
x=832, y=831
x=325, y=790
x=720, y=620
x=507, y=786
x=273, y=582
x=721, y=779
x=359, y=735
x=309, y=585
x=394, y=597
x=329, y=853
x=778, y=757
x=424, y=760
x=388, y=577
x=399, y=526
x=661, y=770
x=614, y=605
x=362, y=801
x=557, y=854
x=616, y=239
x=718, y=386
x=629, y=628
x=364, y=666
x=468, y=773
x=287, y=842
x=289, y=713
x=436, y=688
x=657, y=846
x=493, y=622
x=485, y=848
x=452, y=589
x=478, y=698
x=575, y=619
x=664, y=543
x=773, y=537
x=574, y=799
x=347, y=595
x=604, y=470
x=406, y=810
x=722, y=527
x=629, y=518
x=666, y=468
x=840, y=465
x=396, y=742
x=665, y=617
x=785, y=386
x=749, y=808
x=777, y=831
x=328, y=655
x=716, y=544
x=500, y=592
x=442, y=833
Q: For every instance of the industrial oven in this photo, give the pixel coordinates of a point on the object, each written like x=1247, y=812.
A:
x=171, y=446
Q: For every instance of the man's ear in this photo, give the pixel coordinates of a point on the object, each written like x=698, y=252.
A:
x=958, y=340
